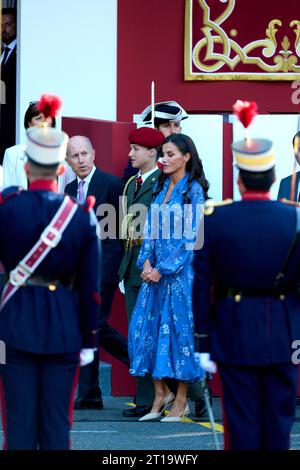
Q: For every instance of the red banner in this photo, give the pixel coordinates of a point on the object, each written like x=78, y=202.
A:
x=242, y=40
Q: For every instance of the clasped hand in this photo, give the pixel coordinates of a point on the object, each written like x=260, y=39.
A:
x=150, y=274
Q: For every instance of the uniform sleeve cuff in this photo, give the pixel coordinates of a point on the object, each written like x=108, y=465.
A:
x=91, y=339
x=202, y=343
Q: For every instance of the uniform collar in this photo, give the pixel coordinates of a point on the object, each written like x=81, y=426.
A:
x=256, y=195
x=147, y=174
x=43, y=185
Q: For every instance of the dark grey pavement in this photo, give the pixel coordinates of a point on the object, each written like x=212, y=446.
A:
x=108, y=430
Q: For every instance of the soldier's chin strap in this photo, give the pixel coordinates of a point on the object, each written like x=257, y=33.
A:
x=296, y=237
x=48, y=240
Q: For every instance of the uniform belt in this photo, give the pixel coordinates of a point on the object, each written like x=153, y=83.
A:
x=237, y=294
x=136, y=242
x=130, y=242
x=51, y=284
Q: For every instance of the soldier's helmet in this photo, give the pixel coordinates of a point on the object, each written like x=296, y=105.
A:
x=46, y=146
x=164, y=111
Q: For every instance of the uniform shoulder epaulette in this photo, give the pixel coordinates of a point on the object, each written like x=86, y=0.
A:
x=10, y=192
x=209, y=206
x=89, y=203
x=289, y=202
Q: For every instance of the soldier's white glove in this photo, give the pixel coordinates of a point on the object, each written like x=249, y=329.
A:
x=206, y=363
x=86, y=356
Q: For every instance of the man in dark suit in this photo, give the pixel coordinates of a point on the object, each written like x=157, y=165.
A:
x=8, y=76
x=138, y=191
x=285, y=186
x=106, y=189
x=49, y=304
x=246, y=303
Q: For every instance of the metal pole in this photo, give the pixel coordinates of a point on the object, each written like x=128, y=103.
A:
x=152, y=104
x=211, y=415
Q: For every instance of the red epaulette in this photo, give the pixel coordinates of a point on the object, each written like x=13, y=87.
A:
x=9, y=193
x=89, y=203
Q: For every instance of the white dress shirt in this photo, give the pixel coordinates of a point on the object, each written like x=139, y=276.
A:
x=147, y=174
x=11, y=46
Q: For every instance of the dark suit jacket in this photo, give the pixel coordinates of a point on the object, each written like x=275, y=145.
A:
x=285, y=187
x=107, y=189
x=8, y=110
x=8, y=70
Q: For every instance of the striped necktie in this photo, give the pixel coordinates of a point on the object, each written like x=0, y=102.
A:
x=6, y=52
x=81, y=196
x=138, y=184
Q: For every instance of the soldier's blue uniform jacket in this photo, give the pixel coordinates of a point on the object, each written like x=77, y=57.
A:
x=37, y=319
x=41, y=323
x=239, y=318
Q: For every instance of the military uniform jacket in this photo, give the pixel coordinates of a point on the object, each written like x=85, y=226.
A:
x=36, y=319
x=245, y=246
x=144, y=196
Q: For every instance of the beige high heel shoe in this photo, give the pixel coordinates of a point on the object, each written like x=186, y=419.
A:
x=169, y=400
x=173, y=419
x=157, y=414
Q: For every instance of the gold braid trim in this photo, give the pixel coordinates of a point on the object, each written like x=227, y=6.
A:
x=209, y=206
x=127, y=218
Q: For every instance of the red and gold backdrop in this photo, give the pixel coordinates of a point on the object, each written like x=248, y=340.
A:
x=242, y=40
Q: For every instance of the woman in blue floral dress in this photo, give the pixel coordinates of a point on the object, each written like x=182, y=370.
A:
x=161, y=331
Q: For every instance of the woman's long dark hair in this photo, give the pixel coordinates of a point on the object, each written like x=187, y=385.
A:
x=194, y=166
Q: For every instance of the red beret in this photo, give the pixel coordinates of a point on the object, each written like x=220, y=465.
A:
x=146, y=137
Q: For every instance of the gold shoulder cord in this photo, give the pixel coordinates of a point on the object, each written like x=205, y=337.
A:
x=128, y=217
x=124, y=193
x=289, y=202
x=209, y=206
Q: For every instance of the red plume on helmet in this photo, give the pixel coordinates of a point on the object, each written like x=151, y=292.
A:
x=245, y=111
x=49, y=105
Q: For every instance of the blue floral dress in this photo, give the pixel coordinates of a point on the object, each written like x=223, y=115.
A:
x=161, y=331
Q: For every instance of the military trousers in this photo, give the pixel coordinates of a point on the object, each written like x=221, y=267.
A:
x=37, y=393
x=259, y=403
